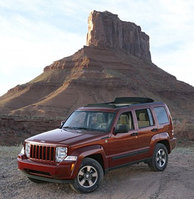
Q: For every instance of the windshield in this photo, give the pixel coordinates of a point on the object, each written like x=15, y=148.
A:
x=90, y=120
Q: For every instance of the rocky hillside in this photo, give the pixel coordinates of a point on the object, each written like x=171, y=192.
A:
x=115, y=62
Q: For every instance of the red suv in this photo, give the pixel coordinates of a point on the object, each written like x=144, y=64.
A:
x=97, y=138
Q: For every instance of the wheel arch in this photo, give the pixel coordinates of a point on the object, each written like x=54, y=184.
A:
x=98, y=157
x=95, y=152
x=162, y=138
x=166, y=144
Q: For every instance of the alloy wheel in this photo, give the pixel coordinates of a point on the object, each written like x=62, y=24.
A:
x=87, y=176
x=161, y=157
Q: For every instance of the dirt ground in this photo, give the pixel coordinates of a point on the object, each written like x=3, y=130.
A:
x=136, y=181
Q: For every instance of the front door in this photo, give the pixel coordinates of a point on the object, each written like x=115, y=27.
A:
x=123, y=144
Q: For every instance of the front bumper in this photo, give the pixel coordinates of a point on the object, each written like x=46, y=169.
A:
x=52, y=172
x=41, y=178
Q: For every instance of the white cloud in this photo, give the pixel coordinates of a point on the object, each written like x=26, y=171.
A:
x=179, y=63
x=27, y=46
x=36, y=33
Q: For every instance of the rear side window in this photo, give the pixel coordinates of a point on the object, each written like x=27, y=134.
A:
x=161, y=115
x=144, y=118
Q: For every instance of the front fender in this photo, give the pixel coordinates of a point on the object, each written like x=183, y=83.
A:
x=85, y=152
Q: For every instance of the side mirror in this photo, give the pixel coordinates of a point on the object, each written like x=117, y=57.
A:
x=121, y=129
x=62, y=123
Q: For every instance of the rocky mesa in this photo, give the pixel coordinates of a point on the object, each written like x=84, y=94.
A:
x=115, y=62
x=106, y=30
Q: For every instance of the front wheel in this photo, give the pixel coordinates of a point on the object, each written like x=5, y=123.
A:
x=159, y=159
x=89, y=176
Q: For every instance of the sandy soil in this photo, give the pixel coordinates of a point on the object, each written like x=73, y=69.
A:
x=136, y=181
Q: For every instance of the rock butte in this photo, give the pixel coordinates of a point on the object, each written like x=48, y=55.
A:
x=116, y=62
x=106, y=30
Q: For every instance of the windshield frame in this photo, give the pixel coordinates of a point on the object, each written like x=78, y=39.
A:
x=108, y=129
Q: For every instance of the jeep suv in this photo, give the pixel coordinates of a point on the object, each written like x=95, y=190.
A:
x=97, y=138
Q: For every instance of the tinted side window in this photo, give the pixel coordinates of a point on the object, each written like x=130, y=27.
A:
x=144, y=118
x=126, y=120
x=161, y=115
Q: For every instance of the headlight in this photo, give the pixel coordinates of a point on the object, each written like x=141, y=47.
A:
x=22, y=151
x=61, y=153
x=27, y=149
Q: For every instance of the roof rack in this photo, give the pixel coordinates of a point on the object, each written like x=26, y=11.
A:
x=103, y=105
x=132, y=100
x=122, y=102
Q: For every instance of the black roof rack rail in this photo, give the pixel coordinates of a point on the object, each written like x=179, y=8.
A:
x=122, y=102
x=132, y=100
x=103, y=105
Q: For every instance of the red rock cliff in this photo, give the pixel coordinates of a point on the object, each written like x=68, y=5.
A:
x=106, y=30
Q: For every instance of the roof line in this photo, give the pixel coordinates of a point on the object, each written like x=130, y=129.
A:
x=122, y=102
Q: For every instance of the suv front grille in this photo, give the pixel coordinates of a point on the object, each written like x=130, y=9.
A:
x=41, y=152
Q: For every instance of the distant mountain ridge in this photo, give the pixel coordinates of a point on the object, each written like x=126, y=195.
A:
x=111, y=65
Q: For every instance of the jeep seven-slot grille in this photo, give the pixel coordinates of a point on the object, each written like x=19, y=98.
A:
x=41, y=152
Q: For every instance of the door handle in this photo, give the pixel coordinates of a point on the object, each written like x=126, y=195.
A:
x=154, y=129
x=134, y=134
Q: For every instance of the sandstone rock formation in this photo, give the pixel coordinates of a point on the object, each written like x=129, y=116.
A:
x=106, y=30
x=94, y=74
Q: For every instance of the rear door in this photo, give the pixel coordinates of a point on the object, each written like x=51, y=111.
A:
x=146, y=127
x=163, y=119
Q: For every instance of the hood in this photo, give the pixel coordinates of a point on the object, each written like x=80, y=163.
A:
x=65, y=137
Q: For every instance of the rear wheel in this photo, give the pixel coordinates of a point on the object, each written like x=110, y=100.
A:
x=159, y=159
x=89, y=176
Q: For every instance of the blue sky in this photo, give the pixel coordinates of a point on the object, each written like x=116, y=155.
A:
x=35, y=33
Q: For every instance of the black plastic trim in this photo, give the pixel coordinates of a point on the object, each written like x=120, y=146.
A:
x=105, y=137
x=127, y=101
x=128, y=164
x=47, y=179
x=130, y=154
x=119, y=100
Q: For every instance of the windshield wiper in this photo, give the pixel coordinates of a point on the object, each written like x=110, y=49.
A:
x=71, y=127
x=77, y=128
x=67, y=127
x=81, y=128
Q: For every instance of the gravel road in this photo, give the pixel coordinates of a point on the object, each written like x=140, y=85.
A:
x=136, y=181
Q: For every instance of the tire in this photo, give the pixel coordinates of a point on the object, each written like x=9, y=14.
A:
x=89, y=176
x=159, y=159
x=35, y=180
